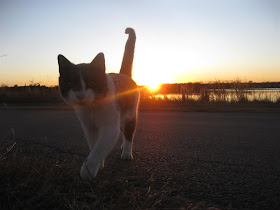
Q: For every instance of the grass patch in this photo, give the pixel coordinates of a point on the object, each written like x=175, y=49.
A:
x=235, y=92
x=38, y=176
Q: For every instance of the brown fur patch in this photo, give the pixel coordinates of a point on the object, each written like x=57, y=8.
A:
x=126, y=91
x=129, y=128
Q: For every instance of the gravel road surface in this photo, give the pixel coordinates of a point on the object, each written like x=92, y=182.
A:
x=226, y=159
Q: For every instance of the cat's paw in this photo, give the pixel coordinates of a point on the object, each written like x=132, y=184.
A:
x=126, y=151
x=126, y=156
x=89, y=170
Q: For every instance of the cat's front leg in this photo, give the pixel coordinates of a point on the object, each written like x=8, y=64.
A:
x=107, y=139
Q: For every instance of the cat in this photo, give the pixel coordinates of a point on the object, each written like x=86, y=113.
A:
x=105, y=104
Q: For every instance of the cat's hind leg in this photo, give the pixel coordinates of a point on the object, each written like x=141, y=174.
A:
x=128, y=135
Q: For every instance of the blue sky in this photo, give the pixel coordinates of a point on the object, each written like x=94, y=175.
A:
x=177, y=41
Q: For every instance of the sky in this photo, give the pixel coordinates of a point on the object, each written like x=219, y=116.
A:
x=177, y=40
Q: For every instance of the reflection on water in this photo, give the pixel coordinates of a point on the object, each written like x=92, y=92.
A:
x=229, y=95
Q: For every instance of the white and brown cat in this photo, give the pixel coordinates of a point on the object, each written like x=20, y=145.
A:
x=106, y=104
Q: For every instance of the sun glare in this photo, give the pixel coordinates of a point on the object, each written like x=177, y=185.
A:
x=154, y=87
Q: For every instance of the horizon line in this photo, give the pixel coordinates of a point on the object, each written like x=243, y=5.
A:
x=200, y=82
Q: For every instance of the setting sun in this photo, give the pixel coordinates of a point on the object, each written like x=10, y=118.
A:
x=154, y=87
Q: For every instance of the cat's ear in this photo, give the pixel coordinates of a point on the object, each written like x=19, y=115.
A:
x=63, y=62
x=99, y=62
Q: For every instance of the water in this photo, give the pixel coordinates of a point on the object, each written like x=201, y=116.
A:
x=230, y=95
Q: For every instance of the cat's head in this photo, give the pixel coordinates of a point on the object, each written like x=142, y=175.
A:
x=82, y=83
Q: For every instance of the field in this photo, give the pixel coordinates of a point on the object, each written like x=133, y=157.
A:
x=234, y=93
x=218, y=96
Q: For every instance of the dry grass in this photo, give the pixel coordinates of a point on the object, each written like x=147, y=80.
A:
x=38, y=176
x=236, y=92
x=29, y=94
x=189, y=97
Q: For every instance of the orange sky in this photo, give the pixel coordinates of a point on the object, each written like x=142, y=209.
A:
x=177, y=41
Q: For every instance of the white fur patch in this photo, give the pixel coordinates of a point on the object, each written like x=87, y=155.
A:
x=102, y=129
x=82, y=96
x=126, y=150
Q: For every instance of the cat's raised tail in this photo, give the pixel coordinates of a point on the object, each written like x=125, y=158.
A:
x=128, y=55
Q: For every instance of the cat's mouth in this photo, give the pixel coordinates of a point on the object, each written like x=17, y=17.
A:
x=87, y=103
x=78, y=102
x=82, y=102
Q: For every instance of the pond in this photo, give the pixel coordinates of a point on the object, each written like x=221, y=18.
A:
x=229, y=95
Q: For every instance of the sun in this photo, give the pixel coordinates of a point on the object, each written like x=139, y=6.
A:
x=154, y=86
x=151, y=70
x=152, y=78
